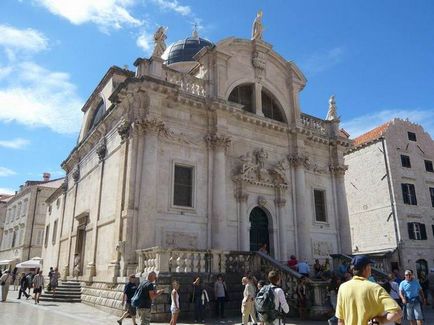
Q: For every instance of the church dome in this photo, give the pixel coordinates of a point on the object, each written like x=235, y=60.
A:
x=184, y=50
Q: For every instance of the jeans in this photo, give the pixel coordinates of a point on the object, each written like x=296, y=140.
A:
x=220, y=307
x=144, y=315
x=413, y=311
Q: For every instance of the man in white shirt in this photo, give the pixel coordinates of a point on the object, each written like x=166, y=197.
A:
x=280, y=302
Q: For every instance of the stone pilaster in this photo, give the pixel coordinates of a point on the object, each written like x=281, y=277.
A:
x=218, y=144
x=244, y=227
x=280, y=203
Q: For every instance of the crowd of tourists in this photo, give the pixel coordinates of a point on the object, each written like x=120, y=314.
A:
x=25, y=282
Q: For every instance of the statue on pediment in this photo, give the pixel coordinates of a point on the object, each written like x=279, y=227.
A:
x=257, y=28
x=160, y=41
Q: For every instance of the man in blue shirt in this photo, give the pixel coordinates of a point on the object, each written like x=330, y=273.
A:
x=129, y=291
x=412, y=295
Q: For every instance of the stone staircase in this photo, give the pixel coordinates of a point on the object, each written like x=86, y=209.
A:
x=67, y=291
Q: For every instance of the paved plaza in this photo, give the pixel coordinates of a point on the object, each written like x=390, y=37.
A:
x=25, y=312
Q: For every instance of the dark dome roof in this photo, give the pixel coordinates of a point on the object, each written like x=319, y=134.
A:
x=184, y=50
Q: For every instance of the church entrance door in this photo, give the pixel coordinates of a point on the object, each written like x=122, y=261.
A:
x=258, y=229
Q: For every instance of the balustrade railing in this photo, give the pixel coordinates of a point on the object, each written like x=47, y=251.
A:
x=314, y=124
x=186, y=82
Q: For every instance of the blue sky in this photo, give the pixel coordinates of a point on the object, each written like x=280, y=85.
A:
x=377, y=57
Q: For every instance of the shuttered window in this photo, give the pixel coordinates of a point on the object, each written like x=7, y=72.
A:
x=416, y=231
x=409, y=194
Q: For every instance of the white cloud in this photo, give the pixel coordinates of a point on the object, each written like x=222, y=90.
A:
x=322, y=61
x=17, y=143
x=40, y=97
x=6, y=172
x=145, y=41
x=13, y=39
x=173, y=5
x=365, y=123
x=4, y=190
x=107, y=14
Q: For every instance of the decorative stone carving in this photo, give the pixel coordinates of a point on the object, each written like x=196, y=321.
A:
x=262, y=201
x=159, y=40
x=321, y=248
x=257, y=28
x=332, y=112
x=261, y=157
x=65, y=185
x=154, y=126
x=76, y=174
x=101, y=150
x=255, y=172
x=338, y=169
x=124, y=130
x=297, y=160
x=215, y=141
x=241, y=197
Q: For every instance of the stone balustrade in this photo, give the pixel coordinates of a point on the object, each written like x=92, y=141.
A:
x=314, y=124
x=186, y=82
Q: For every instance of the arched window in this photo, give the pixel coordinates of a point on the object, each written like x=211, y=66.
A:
x=270, y=108
x=243, y=95
x=97, y=115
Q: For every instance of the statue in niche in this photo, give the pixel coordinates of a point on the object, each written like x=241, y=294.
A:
x=159, y=40
x=257, y=28
x=261, y=156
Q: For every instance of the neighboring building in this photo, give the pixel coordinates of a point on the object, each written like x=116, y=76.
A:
x=25, y=220
x=390, y=193
x=50, y=250
x=205, y=149
x=4, y=198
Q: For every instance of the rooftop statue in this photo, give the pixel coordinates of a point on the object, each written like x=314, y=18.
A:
x=257, y=28
x=332, y=113
x=159, y=40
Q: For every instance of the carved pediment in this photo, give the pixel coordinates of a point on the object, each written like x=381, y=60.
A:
x=253, y=170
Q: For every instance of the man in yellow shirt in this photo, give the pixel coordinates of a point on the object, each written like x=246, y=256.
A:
x=360, y=300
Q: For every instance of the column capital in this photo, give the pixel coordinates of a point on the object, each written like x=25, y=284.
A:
x=338, y=170
x=297, y=160
x=124, y=129
x=215, y=141
x=280, y=202
x=151, y=126
x=241, y=197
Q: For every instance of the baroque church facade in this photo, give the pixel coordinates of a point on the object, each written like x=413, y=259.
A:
x=203, y=147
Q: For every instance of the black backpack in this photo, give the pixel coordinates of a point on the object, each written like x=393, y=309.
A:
x=264, y=303
x=141, y=296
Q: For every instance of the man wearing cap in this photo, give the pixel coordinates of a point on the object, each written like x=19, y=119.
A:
x=361, y=301
x=412, y=295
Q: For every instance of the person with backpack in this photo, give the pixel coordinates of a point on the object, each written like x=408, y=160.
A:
x=145, y=294
x=270, y=301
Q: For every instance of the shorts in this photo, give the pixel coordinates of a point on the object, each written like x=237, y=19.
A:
x=131, y=310
x=413, y=311
x=37, y=290
x=173, y=310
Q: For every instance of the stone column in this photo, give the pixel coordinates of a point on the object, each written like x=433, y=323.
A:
x=342, y=218
x=257, y=96
x=218, y=144
x=283, y=254
x=303, y=220
x=244, y=226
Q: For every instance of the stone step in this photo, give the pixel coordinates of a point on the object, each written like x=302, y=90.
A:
x=60, y=299
x=60, y=294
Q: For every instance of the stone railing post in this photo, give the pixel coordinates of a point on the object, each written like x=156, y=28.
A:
x=163, y=261
x=320, y=309
x=140, y=265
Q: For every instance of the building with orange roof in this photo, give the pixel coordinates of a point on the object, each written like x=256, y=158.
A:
x=390, y=195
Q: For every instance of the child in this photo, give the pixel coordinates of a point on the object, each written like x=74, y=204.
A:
x=174, y=307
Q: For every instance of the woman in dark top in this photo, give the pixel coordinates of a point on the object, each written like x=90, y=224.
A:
x=197, y=300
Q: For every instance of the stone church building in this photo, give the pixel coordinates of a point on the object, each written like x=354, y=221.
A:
x=204, y=147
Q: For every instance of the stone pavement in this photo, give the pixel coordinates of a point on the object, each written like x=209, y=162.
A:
x=25, y=312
